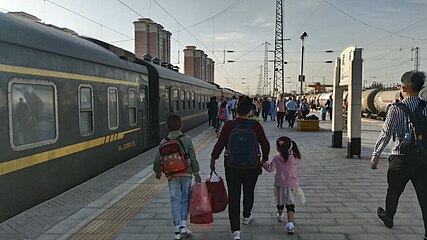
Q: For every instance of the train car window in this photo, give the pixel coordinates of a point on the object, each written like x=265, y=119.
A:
x=183, y=99
x=200, y=102
x=175, y=100
x=86, y=121
x=132, y=107
x=189, y=99
x=204, y=102
x=193, y=98
x=33, y=113
x=113, y=108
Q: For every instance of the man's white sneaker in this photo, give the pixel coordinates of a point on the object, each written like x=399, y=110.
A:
x=279, y=217
x=177, y=236
x=247, y=220
x=290, y=227
x=236, y=235
x=185, y=231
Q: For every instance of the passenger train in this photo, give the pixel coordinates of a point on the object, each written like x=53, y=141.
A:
x=72, y=107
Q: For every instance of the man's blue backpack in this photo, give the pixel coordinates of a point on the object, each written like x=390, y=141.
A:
x=414, y=145
x=243, y=149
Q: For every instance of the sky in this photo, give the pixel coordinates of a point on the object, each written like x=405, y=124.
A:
x=386, y=30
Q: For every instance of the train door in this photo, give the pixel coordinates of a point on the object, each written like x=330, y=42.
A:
x=143, y=110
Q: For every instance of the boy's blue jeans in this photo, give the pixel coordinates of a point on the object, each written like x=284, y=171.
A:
x=179, y=188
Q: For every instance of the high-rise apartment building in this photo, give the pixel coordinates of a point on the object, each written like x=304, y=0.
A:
x=152, y=39
x=197, y=64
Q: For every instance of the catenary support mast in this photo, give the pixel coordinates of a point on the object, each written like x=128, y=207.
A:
x=279, y=69
x=267, y=86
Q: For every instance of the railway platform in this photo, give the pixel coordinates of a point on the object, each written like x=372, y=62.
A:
x=127, y=202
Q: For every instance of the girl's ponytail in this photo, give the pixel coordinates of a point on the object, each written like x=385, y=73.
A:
x=295, y=150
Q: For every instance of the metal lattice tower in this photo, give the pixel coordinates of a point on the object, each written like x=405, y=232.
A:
x=416, y=58
x=279, y=68
x=267, y=86
x=260, y=90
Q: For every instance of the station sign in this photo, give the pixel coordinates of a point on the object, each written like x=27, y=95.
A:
x=347, y=57
x=345, y=68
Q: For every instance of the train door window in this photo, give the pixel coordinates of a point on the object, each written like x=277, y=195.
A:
x=113, y=108
x=86, y=121
x=167, y=96
x=188, y=97
x=204, y=102
x=193, y=98
x=199, y=98
x=183, y=99
x=33, y=113
x=175, y=100
x=132, y=106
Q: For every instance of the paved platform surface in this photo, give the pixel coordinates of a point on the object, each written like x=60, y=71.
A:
x=126, y=202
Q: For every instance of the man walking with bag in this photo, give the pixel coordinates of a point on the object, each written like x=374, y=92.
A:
x=406, y=122
x=241, y=139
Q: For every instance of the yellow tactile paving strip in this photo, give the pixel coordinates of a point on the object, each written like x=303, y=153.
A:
x=109, y=223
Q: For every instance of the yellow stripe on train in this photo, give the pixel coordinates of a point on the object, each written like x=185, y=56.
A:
x=24, y=162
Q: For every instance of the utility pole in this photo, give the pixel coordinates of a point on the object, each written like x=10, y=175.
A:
x=279, y=68
x=301, y=77
x=267, y=90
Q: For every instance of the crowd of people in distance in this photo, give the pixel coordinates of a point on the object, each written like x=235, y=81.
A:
x=283, y=108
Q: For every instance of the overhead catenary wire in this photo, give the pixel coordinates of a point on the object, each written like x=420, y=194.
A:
x=213, y=16
x=133, y=10
x=367, y=24
x=402, y=29
x=306, y=21
x=93, y=21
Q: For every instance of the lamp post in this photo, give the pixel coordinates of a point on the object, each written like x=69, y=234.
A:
x=301, y=77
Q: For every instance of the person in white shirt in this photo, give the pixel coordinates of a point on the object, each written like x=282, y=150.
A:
x=292, y=106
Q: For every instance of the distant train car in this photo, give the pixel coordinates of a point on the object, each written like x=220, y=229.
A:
x=323, y=98
x=368, y=97
x=179, y=94
x=228, y=93
x=383, y=99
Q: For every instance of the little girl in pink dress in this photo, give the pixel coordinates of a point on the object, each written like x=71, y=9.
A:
x=286, y=184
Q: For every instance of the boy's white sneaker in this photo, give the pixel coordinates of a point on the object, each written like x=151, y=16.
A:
x=177, y=236
x=185, y=230
x=290, y=227
x=247, y=220
x=236, y=235
x=280, y=218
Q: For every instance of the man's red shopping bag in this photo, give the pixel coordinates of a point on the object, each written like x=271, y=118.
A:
x=200, y=206
x=217, y=193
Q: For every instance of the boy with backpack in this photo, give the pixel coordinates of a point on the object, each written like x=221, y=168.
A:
x=406, y=122
x=176, y=158
x=241, y=139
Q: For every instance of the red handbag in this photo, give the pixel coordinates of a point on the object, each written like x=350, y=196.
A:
x=217, y=193
x=200, y=207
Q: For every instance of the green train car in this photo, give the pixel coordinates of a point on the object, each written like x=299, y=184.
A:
x=73, y=107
